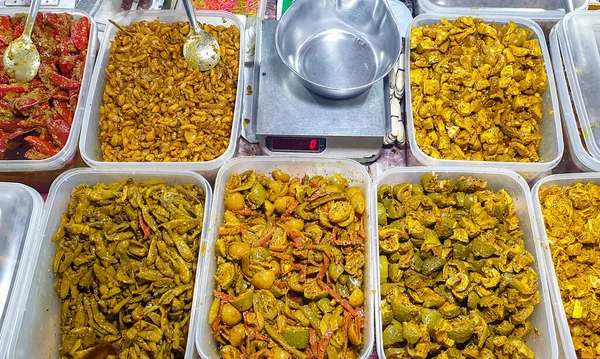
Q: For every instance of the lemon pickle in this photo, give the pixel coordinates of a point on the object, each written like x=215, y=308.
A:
x=572, y=222
x=290, y=268
x=456, y=280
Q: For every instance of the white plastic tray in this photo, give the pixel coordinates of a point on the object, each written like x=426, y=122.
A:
x=579, y=156
x=543, y=345
x=356, y=176
x=90, y=145
x=37, y=325
x=560, y=180
x=66, y=155
x=551, y=146
x=537, y=10
x=20, y=212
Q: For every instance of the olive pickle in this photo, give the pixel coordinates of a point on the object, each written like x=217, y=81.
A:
x=156, y=108
x=290, y=268
x=477, y=90
x=572, y=222
x=456, y=282
x=126, y=259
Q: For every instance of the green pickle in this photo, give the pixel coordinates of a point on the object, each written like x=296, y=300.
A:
x=290, y=260
x=456, y=279
x=126, y=256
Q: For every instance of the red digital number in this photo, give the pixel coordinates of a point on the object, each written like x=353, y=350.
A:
x=313, y=145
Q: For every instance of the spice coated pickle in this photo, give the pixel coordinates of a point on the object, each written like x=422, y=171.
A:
x=572, y=222
x=155, y=108
x=290, y=268
x=476, y=90
x=125, y=261
x=456, y=279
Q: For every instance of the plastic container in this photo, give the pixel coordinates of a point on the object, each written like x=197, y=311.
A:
x=551, y=146
x=574, y=49
x=66, y=155
x=37, y=326
x=537, y=10
x=20, y=212
x=576, y=154
x=559, y=180
x=298, y=166
x=543, y=345
x=249, y=8
x=89, y=145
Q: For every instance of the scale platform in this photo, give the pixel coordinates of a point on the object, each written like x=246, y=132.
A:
x=292, y=120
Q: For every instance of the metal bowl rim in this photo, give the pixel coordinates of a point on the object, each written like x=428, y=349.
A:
x=362, y=87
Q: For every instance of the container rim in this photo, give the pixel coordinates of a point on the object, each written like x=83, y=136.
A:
x=583, y=159
x=540, y=15
x=45, y=220
x=521, y=167
x=484, y=172
x=206, y=166
x=16, y=302
x=281, y=162
x=557, y=303
x=67, y=153
x=572, y=79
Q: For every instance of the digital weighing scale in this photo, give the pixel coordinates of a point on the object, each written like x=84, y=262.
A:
x=292, y=120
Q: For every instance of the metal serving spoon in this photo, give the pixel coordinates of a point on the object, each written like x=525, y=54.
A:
x=201, y=49
x=21, y=57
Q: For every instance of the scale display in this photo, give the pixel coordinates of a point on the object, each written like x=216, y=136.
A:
x=295, y=144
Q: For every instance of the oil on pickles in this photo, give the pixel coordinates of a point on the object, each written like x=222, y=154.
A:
x=125, y=262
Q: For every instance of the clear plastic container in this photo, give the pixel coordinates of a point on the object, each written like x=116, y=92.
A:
x=551, y=146
x=576, y=152
x=298, y=166
x=89, y=145
x=559, y=180
x=543, y=345
x=255, y=10
x=37, y=325
x=537, y=10
x=575, y=41
x=20, y=212
x=66, y=155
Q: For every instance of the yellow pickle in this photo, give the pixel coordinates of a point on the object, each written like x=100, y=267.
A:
x=157, y=109
x=290, y=268
x=476, y=90
x=572, y=222
x=126, y=259
x=456, y=279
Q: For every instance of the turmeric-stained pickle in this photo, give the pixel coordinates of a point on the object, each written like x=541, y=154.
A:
x=456, y=279
x=125, y=261
x=290, y=268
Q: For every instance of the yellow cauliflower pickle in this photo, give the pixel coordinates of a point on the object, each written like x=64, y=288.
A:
x=290, y=271
x=476, y=90
x=456, y=279
x=572, y=222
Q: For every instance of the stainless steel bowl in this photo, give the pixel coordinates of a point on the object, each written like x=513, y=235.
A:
x=338, y=48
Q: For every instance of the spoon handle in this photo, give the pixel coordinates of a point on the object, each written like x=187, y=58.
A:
x=189, y=10
x=33, y=10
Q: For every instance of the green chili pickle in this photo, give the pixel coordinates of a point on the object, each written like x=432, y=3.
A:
x=126, y=256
